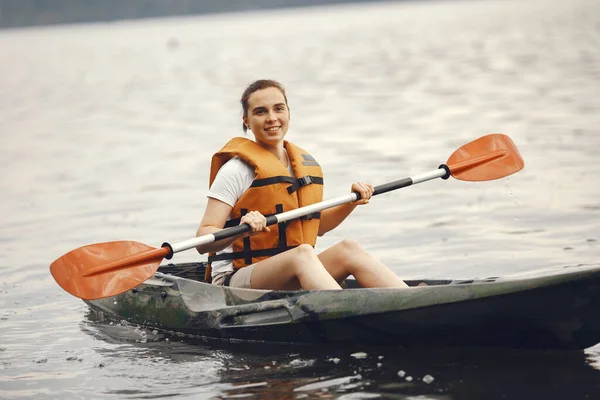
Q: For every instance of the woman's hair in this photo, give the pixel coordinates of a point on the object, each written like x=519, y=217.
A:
x=256, y=86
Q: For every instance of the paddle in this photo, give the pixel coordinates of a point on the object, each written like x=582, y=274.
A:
x=106, y=269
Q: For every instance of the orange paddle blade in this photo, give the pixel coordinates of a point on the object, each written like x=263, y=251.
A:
x=106, y=269
x=489, y=157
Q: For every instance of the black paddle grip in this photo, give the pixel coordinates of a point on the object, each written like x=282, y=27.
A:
x=230, y=232
x=271, y=220
x=388, y=187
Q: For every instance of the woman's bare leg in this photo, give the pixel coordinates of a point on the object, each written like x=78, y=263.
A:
x=294, y=269
x=348, y=258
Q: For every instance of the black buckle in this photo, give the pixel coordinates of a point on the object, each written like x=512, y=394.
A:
x=305, y=180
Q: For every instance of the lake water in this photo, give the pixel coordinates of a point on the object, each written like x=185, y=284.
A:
x=107, y=131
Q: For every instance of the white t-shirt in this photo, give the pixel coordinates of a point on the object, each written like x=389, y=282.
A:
x=232, y=180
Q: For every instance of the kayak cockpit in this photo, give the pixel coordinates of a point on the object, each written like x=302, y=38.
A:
x=195, y=271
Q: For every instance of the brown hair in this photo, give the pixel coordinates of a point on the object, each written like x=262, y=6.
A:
x=256, y=86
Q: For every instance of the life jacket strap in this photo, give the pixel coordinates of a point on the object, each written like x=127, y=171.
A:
x=282, y=227
x=248, y=256
x=308, y=217
x=272, y=181
x=295, y=183
x=304, y=181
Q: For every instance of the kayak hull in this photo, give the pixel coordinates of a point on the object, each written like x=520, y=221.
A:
x=559, y=309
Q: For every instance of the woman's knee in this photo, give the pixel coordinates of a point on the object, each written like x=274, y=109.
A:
x=350, y=246
x=304, y=250
x=349, y=249
x=349, y=253
x=300, y=255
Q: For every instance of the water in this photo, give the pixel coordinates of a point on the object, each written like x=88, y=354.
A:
x=106, y=134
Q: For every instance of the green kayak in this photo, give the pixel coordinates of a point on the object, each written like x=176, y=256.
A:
x=552, y=309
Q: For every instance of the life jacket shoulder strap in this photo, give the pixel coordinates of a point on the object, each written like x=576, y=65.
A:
x=296, y=183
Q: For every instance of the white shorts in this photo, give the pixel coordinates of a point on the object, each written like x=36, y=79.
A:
x=239, y=278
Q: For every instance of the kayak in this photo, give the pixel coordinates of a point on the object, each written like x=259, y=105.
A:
x=551, y=309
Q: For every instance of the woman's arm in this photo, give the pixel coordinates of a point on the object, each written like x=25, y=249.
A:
x=332, y=217
x=214, y=219
x=233, y=179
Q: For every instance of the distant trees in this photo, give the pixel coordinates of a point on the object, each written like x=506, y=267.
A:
x=16, y=13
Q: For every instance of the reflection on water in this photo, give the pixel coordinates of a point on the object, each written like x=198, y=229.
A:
x=106, y=132
x=275, y=371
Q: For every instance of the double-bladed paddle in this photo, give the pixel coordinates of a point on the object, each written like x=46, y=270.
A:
x=106, y=269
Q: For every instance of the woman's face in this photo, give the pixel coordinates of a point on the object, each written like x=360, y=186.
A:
x=268, y=116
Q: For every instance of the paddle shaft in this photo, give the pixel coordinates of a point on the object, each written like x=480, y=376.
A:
x=442, y=172
x=106, y=269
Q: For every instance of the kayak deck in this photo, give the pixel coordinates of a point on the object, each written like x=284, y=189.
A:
x=559, y=309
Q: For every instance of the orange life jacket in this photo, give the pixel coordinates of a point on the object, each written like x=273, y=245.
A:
x=273, y=191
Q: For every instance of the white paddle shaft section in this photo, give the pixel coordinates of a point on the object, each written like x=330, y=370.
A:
x=306, y=210
x=313, y=208
x=285, y=216
x=427, y=176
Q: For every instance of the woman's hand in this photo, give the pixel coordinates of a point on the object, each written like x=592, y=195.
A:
x=257, y=222
x=366, y=192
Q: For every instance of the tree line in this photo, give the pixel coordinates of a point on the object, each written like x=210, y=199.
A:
x=21, y=13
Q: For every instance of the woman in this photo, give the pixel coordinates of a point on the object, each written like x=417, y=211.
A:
x=251, y=179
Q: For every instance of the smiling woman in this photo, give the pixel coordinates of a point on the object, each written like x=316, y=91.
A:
x=250, y=180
